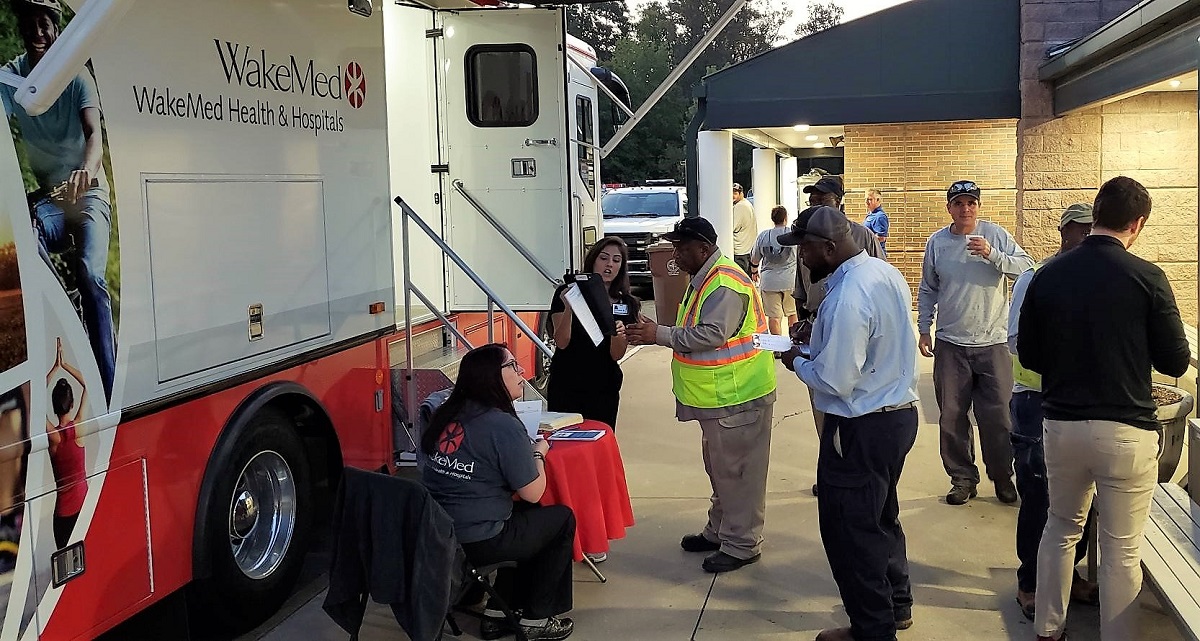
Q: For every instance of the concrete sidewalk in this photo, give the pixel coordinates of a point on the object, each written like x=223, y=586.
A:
x=962, y=558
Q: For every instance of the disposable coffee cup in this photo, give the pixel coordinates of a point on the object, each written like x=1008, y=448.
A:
x=971, y=237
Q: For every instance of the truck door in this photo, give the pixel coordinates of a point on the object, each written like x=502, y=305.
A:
x=504, y=149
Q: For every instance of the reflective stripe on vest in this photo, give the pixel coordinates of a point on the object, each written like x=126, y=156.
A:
x=1022, y=376
x=736, y=372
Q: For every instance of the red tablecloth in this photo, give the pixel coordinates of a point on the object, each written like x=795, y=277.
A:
x=589, y=477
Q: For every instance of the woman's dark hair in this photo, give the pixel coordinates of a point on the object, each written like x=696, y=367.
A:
x=62, y=398
x=779, y=215
x=1119, y=202
x=480, y=382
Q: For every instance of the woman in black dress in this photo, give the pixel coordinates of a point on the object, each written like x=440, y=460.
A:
x=584, y=377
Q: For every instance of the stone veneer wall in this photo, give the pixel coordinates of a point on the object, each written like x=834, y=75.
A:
x=912, y=164
x=1150, y=138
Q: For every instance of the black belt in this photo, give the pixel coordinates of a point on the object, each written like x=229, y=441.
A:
x=894, y=408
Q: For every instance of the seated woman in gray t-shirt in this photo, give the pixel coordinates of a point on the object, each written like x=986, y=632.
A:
x=478, y=455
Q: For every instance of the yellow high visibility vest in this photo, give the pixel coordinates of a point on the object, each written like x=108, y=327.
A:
x=1026, y=377
x=735, y=372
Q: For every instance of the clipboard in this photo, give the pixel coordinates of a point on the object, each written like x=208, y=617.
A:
x=589, y=290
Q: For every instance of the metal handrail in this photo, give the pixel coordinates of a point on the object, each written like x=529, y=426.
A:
x=409, y=289
x=512, y=240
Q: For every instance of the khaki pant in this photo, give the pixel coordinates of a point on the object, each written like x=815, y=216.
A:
x=737, y=450
x=1119, y=464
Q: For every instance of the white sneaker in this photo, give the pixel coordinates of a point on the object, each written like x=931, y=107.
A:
x=597, y=558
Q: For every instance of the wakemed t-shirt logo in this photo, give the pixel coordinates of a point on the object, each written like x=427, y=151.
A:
x=449, y=443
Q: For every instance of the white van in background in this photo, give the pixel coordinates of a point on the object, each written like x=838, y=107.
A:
x=640, y=216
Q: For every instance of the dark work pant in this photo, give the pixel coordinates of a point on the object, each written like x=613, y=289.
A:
x=860, y=517
x=539, y=539
x=1029, y=459
x=981, y=377
x=743, y=261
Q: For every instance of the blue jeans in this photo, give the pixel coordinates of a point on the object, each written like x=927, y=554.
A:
x=89, y=220
x=1029, y=461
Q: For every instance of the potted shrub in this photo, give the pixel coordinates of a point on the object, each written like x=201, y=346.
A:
x=1174, y=406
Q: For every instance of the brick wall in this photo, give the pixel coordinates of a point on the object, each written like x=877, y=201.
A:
x=1151, y=138
x=912, y=165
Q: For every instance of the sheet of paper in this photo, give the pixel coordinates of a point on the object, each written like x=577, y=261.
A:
x=530, y=413
x=772, y=343
x=583, y=313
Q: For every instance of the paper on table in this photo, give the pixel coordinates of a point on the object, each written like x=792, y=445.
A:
x=772, y=343
x=530, y=413
x=583, y=313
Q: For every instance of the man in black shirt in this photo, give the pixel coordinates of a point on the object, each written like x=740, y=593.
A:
x=1094, y=322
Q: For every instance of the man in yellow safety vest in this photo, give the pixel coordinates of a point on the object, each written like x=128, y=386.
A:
x=722, y=381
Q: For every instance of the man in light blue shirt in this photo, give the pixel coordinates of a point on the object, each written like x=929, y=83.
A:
x=877, y=219
x=863, y=374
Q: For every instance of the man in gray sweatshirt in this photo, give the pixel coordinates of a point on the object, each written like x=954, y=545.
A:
x=963, y=284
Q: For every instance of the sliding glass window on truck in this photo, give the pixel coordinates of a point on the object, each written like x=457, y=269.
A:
x=584, y=134
x=502, y=88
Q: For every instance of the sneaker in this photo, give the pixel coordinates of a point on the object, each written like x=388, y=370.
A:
x=1006, y=491
x=1084, y=591
x=597, y=558
x=553, y=628
x=721, y=562
x=697, y=543
x=904, y=624
x=960, y=494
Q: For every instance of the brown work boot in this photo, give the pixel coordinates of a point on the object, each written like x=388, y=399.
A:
x=835, y=634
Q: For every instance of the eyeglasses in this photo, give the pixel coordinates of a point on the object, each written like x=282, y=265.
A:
x=514, y=365
x=958, y=188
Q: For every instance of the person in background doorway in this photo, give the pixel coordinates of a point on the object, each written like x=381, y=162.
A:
x=66, y=446
x=1094, y=323
x=963, y=283
x=1028, y=456
x=722, y=381
x=877, y=219
x=863, y=373
x=745, y=229
x=776, y=272
x=585, y=377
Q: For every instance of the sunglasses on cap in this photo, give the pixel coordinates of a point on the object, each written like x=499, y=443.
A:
x=963, y=187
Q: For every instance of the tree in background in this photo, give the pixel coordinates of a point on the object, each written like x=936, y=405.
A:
x=821, y=16
x=665, y=31
x=601, y=25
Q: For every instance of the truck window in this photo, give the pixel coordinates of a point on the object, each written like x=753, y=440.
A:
x=502, y=86
x=648, y=204
x=587, y=155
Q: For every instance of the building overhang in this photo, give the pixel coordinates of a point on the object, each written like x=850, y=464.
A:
x=1147, y=45
x=921, y=61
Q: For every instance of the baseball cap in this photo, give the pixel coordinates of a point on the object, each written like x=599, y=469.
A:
x=1077, y=213
x=53, y=6
x=824, y=222
x=738, y=187
x=692, y=229
x=827, y=185
x=962, y=188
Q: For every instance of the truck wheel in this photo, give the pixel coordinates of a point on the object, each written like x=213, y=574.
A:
x=258, y=524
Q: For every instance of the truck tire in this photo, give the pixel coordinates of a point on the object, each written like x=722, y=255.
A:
x=258, y=524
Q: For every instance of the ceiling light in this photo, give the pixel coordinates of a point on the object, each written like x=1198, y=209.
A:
x=811, y=138
x=801, y=127
x=1175, y=84
x=819, y=145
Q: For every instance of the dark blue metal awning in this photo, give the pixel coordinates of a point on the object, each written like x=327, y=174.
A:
x=921, y=61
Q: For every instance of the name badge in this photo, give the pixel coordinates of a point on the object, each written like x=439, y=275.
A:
x=620, y=309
